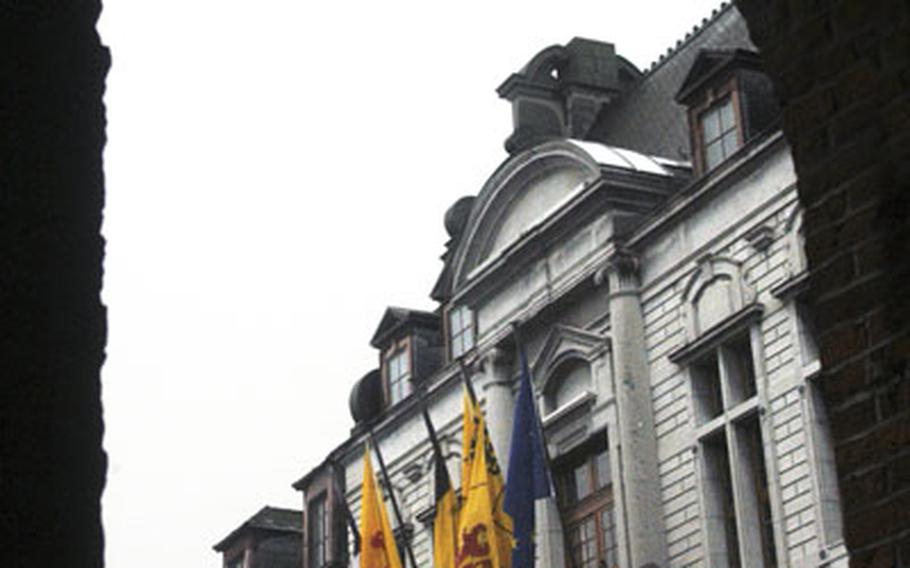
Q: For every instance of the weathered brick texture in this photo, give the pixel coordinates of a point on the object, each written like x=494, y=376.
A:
x=842, y=71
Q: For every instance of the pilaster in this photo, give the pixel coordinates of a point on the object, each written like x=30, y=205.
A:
x=640, y=483
x=497, y=389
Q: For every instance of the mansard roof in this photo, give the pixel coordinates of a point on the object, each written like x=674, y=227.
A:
x=646, y=118
x=709, y=62
x=269, y=519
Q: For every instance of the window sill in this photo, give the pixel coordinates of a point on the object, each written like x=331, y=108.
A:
x=582, y=399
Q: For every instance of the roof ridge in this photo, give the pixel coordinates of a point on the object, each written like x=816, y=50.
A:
x=690, y=35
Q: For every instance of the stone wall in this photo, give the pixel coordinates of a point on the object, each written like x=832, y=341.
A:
x=52, y=323
x=842, y=70
x=725, y=226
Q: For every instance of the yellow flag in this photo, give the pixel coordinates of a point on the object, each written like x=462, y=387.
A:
x=444, y=529
x=468, y=428
x=484, y=529
x=377, y=543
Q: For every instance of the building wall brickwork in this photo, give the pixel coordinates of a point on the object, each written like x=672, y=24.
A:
x=842, y=71
x=52, y=322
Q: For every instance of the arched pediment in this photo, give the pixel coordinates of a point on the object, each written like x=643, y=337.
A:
x=563, y=343
x=715, y=291
x=563, y=369
x=525, y=190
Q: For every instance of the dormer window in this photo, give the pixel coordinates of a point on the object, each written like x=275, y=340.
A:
x=720, y=135
x=398, y=373
x=730, y=102
x=461, y=331
x=410, y=344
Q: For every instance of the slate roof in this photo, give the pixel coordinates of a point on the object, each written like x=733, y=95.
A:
x=273, y=519
x=647, y=118
x=394, y=317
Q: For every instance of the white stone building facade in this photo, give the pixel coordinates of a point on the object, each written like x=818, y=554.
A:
x=658, y=298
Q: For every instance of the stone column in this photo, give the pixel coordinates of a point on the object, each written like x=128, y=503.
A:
x=550, y=537
x=497, y=389
x=640, y=483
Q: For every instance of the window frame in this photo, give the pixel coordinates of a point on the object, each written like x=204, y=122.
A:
x=320, y=500
x=450, y=338
x=714, y=97
x=593, y=505
x=398, y=348
x=738, y=418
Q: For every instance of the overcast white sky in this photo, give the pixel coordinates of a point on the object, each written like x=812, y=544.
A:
x=277, y=174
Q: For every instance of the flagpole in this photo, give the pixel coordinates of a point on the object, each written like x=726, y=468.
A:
x=467, y=380
x=434, y=440
x=395, y=509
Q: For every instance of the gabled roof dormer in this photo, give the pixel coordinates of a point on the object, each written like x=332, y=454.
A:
x=730, y=101
x=410, y=350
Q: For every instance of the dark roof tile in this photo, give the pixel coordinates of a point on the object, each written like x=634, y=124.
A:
x=647, y=118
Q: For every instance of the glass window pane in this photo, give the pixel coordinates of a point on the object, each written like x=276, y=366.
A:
x=457, y=346
x=608, y=530
x=720, y=512
x=726, y=116
x=739, y=371
x=710, y=125
x=731, y=142
x=706, y=389
x=468, y=337
x=713, y=155
x=583, y=486
x=455, y=321
x=604, y=475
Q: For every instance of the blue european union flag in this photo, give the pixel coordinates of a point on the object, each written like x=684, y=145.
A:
x=528, y=478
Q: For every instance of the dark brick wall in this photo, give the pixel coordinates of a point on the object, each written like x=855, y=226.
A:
x=52, y=323
x=842, y=70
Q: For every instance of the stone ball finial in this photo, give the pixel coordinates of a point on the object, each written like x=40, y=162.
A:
x=457, y=214
x=365, y=401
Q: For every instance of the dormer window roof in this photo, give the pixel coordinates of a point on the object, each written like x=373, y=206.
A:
x=730, y=100
x=410, y=349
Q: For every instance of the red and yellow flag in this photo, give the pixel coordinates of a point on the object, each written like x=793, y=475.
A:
x=468, y=427
x=377, y=543
x=484, y=529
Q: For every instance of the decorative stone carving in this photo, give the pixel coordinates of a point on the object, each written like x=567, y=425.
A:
x=715, y=291
x=620, y=272
x=761, y=237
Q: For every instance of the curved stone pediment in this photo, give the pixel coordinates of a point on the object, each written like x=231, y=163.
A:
x=523, y=192
x=531, y=187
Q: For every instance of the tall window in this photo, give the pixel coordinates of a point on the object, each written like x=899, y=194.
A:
x=235, y=562
x=317, y=527
x=398, y=373
x=585, y=487
x=738, y=507
x=719, y=133
x=461, y=331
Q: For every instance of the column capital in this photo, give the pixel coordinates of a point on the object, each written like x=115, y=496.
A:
x=495, y=364
x=620, y=271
